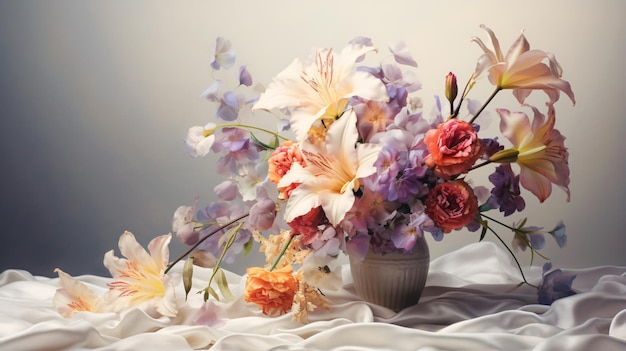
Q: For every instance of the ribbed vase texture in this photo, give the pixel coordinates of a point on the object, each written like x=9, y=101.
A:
x=393, y=280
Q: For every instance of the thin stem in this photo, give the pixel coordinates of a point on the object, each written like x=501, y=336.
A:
x=485, y=104
x=253, y=127
x=497, y=221
x=480, y=165
x=532, y=249
x=282, y=252
x=463, y=95
x=169, y=267
x=519, y=266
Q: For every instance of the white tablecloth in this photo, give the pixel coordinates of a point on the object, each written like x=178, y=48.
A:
x=470, y=303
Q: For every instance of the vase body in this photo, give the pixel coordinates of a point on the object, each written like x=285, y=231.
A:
x=392, y=280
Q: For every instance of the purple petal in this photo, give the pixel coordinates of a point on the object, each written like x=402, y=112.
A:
x=244, y=76
x=401, y=54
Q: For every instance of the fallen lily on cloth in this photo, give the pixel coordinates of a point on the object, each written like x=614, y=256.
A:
x=354, y=164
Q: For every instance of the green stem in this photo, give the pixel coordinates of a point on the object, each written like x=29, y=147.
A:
x=282, y=252
x=480, y=165
x=485, y=104
x=252, y=127
x=463, y=95
x=519, y=266
x=169, y=267
x=497, y=221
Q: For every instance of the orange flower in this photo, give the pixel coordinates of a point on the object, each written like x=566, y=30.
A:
x=272, y=291
x=453, y=148
x=280, y=163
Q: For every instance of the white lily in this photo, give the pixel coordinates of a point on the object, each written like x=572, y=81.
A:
x=139, y=279
x=332, y=172
x=321, y=89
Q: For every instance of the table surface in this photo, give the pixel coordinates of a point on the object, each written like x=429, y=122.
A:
x=470, y=303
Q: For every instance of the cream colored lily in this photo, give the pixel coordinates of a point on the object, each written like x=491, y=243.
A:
x=522, y=69
x=321, y=89
x=542, y=157
x=74, y=296
x=332, y=172
x=139, y=279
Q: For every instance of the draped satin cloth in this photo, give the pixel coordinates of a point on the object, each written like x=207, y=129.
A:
x=470, y=303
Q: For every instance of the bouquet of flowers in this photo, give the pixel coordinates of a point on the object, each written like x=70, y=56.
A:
x=354, y=164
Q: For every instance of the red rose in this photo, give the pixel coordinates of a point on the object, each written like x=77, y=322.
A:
x=453, y=148
x=309, y=225
x=451, y=205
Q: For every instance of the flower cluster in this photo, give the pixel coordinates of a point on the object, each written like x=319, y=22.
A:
x=352, y=163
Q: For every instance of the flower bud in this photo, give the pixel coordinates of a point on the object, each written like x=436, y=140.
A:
x=451, y=87
x=505, y=156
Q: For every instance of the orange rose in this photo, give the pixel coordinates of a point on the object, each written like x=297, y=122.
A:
x=281, y=159
x=280, y=163
x=272, y=291
x=453, y=148
x=451, y=205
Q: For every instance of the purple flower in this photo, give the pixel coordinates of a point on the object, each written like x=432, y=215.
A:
x=528, y=235
x=506, y=191
x=226, y=190
x=389, y=163
x=401, y=54
x=244, y=76
x=490, y=147
x=404, y=235
x=218, y=214
x=262, y=214
x=559, y=234
x=555, y=285
x=229, y=107
x=405, y=187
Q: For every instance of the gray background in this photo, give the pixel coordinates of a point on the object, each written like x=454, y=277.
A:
x=96, y=99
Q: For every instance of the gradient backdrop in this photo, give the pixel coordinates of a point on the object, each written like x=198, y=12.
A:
x=96, y=99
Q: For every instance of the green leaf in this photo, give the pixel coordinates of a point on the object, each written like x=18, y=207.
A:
x=188, y=275
x=213, y=293
x=267, y=146
x=484, y=207
x=222, y=284
x=228, y=238
x=247, y=247
x=274, y=143
x=482, y=233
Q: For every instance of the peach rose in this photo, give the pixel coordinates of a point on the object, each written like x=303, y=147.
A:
x=451, y=205
x=281, y=159
x=272, y=291
x=453, y=148
x=280, y=163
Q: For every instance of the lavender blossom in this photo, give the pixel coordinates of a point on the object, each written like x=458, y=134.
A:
x=555, y=285
x=244, y=76
x=506, y=190
x=559, y=234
